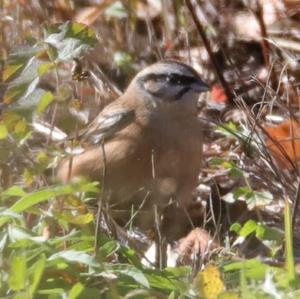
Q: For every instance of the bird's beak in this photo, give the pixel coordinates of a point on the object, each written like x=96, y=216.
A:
x=200, y=86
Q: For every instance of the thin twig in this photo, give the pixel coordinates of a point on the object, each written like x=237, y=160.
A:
x=202, y=34
x=138, y=209
x=101, y=199
x=266, y=49
x=259, y=14
x=161, y=248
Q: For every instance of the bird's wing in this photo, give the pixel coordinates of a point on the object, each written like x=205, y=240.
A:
x=106, y=124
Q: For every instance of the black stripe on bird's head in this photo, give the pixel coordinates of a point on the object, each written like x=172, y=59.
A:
x=170, y=81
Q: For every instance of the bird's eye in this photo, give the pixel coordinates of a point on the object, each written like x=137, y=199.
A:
x=178, y=79
x=175, y=79
x=171, y=78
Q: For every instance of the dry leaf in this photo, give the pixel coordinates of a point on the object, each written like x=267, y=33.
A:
x=88, y=15
x=287, y=135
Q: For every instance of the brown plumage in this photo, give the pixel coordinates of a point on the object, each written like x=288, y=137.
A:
x=152, y=141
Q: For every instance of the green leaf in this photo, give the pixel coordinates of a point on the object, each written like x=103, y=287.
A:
x=34, y=198
x=288, y=227
x=71, y=40
x=37, y=272
x=253, y=268
x=18, y=60
x=77, y=219
x=131, y=255
x=159, y=281
x=72, y=235
x=17, y=274
x=123, y=60
x=91, y=293
x=26, y=66
x=235, y=227
x=243, y=193
x=14, y=92
x=116, y=10
x=230, y=129
x=108, y=249
x=259, y=199
x=21, y=72
x=132, y=272
x=25, y=83
x=46, y=99
x=264, y=232
x=53, y=291
x=76, y=291
x=22, y=295
x=17, y=234
x=75, y=256
x=25, y=53
x=235, y=171
x=248, y=228
x=6, y=215
x=216, y=161
x=229, y=295
x=26, y=104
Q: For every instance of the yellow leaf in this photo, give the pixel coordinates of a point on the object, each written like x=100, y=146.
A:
x=43, y=159
x=10, y=119
x=76, y=104
x=21, y=127
x=10, y=70
x=44, y=102
x=210, y=283
x=3, y=131
x=13, y=93
x=45, y=67
x=77, y=219
x=28, y=177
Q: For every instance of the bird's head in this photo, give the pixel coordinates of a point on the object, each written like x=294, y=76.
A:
x=168, y=81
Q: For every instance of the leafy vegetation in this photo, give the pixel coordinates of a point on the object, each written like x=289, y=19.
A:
x=53, y=244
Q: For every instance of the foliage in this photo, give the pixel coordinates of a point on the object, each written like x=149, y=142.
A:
x=48, y=247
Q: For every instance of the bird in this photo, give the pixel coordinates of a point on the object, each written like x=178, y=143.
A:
x=145, y=147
